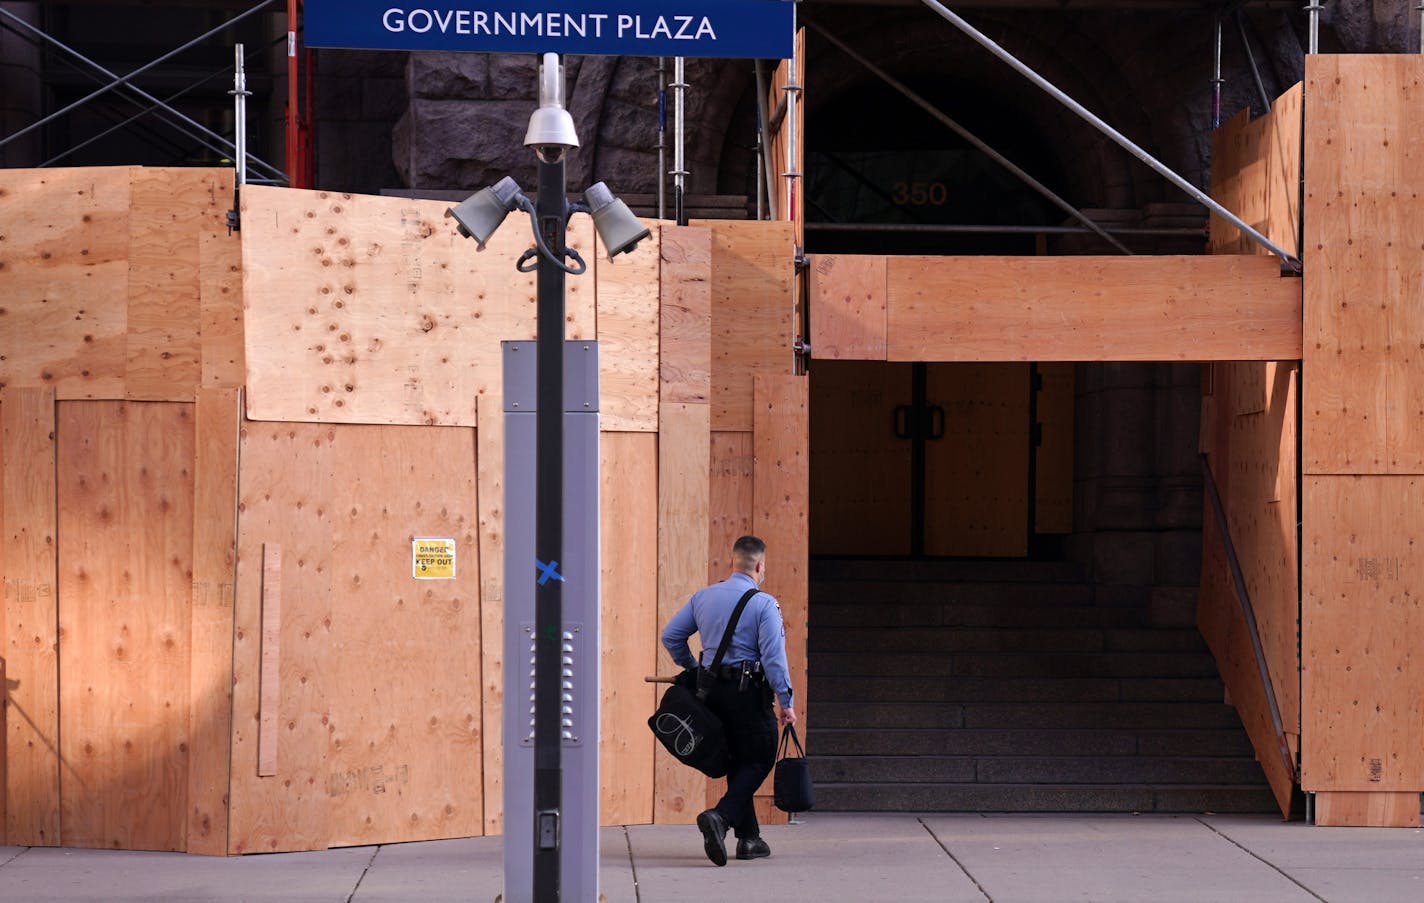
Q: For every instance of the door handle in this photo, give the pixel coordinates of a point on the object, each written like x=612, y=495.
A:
x=936, y=422
x=901, y=421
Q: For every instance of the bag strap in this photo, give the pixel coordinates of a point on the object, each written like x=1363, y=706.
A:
x=727, y=637
x=789, y=732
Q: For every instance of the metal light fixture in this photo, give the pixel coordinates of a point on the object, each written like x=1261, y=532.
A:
x=618, y=229
x=479, y=215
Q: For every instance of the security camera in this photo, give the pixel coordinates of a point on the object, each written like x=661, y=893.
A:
x=479, y=215
x=618, y=229
x=551, y=128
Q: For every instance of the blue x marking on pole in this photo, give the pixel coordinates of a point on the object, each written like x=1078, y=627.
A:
x=548, y=570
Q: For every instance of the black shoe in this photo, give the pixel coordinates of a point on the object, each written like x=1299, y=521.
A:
x=714, y=833
x=752, y=848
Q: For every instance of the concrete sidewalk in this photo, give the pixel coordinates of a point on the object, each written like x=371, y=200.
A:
x=828, y=857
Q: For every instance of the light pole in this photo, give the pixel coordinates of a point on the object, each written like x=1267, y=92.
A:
x=551, y=134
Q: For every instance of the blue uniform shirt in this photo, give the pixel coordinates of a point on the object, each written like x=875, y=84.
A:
x=759, y=637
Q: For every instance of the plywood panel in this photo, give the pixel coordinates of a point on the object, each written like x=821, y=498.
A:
x=1360, y=624
x=170, y=210
x=729, y=498
x=685, y=318
x=1253, y=460
x=1091, y=309
x=847, y=307
x=269, y=694
x=1053, y=501
x=1354, y=809
x=284, y=498
x=217, y=418
x=853, y=434
x=220, y=309
x=1364, y=324
x=629, y=521
x=30, y=569
x=1255, y=173
x=366, y=309
x=752, y=313
x=780, y=497
x=628, y=338
x=684, y=481
x=489, y=473
x=404, y=691
x=125, y=493
x=976, y=476
x=64, y=244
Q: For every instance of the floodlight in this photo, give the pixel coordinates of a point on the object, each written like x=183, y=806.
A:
x=479, y=215
x=551, y=128
x=618, y=229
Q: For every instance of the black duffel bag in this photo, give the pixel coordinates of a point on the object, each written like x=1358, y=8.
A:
x=691, y=732
x=683, y=723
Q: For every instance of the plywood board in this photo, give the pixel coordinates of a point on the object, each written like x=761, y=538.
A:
x=1253, y=461
x=170, y=210
x=284, y=497
x=753, y=313
x=64, y=245
x=729, y=498
x=1364, y=324
x=1355, y=809
x=685, y=316
x=404, y=697
x=489, y=474
x=1360, y=623
x=28, y=563
x=125, y=493
x=628, y=518
x=628, y=304
x=847, y=307
x=852, y=433
x=366, y=309
x=780, y=499
x=976, y=475
x=684, y=485
x=220, y=309
x=1091, y=309
x=1255, y=173
x=269, y=695
x=217, y=418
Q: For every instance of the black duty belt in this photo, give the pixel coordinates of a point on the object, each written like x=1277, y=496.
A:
x=735, y=670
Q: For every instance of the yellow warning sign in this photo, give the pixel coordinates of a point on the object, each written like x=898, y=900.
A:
x=432, y=558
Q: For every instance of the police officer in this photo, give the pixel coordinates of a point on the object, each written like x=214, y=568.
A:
x=752, y=672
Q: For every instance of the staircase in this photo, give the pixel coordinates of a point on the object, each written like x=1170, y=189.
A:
x=1002, y=686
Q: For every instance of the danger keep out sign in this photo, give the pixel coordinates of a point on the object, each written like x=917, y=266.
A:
x=750, y=29
x=432, y=558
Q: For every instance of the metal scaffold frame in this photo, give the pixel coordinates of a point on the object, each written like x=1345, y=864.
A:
x=298, y=170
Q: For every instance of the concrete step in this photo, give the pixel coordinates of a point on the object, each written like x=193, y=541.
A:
x=974, y=639
x=946, y=570
x=871, y=689
x=1012, y=665
x=950, y=797
x=1036, y=770
x=951, y=614
x=827, y=741
x=1125, y=716
x=866, y=593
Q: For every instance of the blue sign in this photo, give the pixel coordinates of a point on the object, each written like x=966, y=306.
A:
x=750, y=29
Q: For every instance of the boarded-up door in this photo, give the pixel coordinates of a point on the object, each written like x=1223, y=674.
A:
x=125, y=488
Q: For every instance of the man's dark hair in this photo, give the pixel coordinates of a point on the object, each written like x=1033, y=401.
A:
x=749, y=548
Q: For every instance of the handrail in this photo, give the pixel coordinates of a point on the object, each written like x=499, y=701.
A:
x=1250, y=615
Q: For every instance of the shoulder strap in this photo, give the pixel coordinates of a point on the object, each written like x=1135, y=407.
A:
x=727, y=634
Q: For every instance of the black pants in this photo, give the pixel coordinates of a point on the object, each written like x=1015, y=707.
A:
x=751, y=738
